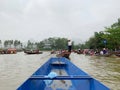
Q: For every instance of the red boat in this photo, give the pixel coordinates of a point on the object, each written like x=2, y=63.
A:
x=8, y=51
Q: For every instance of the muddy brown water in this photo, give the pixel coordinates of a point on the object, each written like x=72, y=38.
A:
x=16, y=68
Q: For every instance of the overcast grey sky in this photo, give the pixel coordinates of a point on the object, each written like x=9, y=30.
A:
x=40, y=19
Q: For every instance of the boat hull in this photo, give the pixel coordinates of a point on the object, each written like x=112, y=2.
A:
x=64, y=54
x=33, y=52
x=69, y=77
x=117, y=53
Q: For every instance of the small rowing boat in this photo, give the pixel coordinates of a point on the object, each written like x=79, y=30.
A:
x=61, y=74
x=32, y=52
x=65, y=54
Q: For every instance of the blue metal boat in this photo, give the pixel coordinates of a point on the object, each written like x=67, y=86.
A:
x=61, y=74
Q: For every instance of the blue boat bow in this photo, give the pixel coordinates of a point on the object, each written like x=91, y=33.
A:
x=67, y=77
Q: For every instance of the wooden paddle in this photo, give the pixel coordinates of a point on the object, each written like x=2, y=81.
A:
x=60, y=72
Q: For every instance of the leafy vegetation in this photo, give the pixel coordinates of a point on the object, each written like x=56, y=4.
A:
x=110, y=38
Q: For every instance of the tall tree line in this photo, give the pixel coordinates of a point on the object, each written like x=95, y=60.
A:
x=52, y=43
x=109, y=38
x=10, y=44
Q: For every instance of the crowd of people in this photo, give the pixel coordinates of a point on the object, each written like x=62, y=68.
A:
x=104, y=51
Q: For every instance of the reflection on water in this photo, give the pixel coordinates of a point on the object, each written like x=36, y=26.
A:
x=16, y=68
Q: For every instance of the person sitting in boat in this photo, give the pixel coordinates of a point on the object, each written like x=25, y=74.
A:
x=101, y=52
x=104, y=51
x=79, y=50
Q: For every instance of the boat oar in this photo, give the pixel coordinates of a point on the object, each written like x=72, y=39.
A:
x=60, y=65
x=60, y=72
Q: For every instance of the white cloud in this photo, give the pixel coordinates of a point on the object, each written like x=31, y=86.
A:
x=39, y=19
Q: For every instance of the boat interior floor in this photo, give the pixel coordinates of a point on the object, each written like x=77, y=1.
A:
x=60, y=84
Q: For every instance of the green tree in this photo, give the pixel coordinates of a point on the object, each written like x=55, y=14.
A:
x=53, y=43
x=112, y=34
x=29, y=45
x=5, y=43
x=17, y=43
